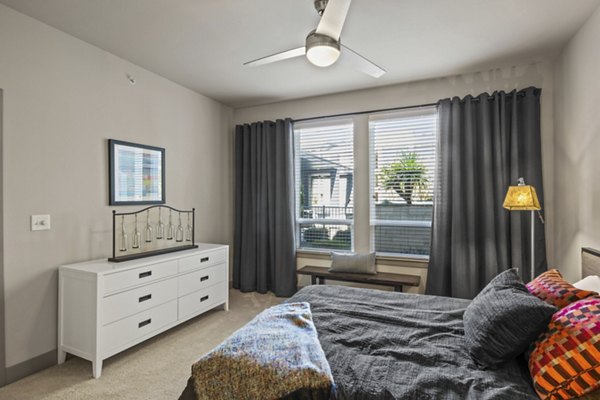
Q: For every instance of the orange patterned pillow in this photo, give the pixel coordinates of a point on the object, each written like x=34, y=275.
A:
x=553, y=289
x=565, y=362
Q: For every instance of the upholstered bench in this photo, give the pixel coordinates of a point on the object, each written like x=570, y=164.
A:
x=319, y=274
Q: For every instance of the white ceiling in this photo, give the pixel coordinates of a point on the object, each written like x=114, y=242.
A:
x=202, y=44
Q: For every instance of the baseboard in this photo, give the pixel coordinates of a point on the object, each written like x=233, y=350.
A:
x=31, y=366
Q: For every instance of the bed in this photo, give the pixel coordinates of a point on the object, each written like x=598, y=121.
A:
x=386, y=345
x=383, y=345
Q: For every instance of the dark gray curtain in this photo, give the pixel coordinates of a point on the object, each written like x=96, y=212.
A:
x=264, y=244
x=485, y=144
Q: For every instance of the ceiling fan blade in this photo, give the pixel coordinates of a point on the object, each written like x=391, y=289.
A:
x=360, y=63
x=284, y=55
x=333, y=18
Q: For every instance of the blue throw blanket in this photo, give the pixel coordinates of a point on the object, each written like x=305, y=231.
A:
x=277, y=355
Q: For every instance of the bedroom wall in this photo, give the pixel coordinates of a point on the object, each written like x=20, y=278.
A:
x=63, y=98
x=577, y=147
x=2, y=325
x=538, y=74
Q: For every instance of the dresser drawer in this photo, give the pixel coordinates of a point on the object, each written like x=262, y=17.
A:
x=206, y=259
x=133, y=301
x=124, y=279
x=201, y=279
x=202, y=300
x=127, y=330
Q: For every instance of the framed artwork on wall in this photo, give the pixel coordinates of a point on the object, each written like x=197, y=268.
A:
x=136, y=173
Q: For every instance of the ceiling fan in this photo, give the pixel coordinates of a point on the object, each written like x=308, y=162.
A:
x=323, y=45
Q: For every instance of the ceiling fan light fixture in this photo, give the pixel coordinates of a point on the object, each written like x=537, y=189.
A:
x=321, y=50
x=322, y=56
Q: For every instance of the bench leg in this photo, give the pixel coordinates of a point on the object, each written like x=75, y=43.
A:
x=398, y=288
x=313, y=280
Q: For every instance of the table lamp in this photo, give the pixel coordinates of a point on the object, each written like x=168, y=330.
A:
x=524, y=198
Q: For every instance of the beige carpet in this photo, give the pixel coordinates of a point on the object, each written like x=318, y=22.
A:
x=155, y=369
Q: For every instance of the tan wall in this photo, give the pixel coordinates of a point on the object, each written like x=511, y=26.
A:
x=539, y=74
x=577, y=148
x=63, y=99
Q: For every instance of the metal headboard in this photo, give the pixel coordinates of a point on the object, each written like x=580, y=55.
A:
x=590, y=262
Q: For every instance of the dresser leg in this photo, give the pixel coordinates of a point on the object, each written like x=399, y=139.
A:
x=62, y=356
x=97, y=368
x=226, y=306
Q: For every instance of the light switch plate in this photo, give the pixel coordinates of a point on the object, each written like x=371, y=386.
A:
x=40, y=222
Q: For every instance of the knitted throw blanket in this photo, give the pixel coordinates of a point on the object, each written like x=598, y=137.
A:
x=277, y=355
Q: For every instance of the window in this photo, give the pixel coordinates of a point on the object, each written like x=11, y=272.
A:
x=324, y=183
x=402, y=147
x=399, y=162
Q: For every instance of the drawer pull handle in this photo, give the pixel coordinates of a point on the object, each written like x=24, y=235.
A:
x=204, y=298
x=204, y=278
x=145, y=274
x=145, y=298
x=144, y=323
x=204, y=259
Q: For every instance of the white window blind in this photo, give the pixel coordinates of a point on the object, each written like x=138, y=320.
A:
x=402, y=147
x=324, y=183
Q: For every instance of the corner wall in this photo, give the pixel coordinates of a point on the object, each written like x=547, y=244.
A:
x=538, y=74
x=577, y=148
x=2, y=312
x=63, y=98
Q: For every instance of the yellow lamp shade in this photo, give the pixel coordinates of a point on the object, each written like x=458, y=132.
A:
x=520, y=198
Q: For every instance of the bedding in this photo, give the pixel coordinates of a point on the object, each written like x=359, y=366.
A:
x=591, y=283
x=503, y=320
x=565, y=361
x=553, y=289
x=385, y=345
x=277, y=355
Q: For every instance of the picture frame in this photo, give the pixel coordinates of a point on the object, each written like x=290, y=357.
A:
x=136, y=173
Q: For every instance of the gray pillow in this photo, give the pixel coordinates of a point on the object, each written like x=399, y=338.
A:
x=503, y=320
x=354, y=263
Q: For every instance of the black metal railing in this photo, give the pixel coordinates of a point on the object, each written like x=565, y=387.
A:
x=325, y=236
x=327, y=212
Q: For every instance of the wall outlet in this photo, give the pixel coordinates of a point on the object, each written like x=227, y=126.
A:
x=40, y=222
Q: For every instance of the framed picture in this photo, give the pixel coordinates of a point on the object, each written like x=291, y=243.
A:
x=136, y=173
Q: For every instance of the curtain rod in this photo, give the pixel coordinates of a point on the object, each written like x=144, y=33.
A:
x=365, y=112
x=519, y=94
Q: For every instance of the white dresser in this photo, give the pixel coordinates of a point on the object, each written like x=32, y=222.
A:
x=105, y=308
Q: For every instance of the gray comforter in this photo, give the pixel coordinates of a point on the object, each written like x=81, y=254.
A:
x=386, y=345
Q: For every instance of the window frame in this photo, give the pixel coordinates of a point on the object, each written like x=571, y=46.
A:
x=362, y=230
x=373, y=222
x=299, y=221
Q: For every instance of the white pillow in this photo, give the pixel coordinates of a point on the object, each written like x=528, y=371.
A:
x=354, y=263
x=591, y=282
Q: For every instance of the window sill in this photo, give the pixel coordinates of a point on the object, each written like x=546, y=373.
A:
x=381, y=259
